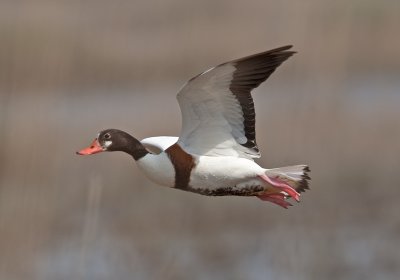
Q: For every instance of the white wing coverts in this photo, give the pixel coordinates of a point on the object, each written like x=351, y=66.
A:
x=218, y=117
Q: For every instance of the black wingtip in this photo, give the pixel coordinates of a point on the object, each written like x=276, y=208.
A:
x=283, y=51
x=280, y=52
x=283, y=48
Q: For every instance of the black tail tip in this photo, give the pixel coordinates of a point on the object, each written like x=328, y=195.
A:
x=304, y=184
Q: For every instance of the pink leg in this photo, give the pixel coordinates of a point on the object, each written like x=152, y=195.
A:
x=276, y=198
x=282, y=186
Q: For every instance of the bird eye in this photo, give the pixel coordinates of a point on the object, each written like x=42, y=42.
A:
x=107, y=136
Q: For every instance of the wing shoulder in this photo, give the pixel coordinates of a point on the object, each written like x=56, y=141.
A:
x=158, y=144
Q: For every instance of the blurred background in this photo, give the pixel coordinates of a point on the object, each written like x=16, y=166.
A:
x=70, y=68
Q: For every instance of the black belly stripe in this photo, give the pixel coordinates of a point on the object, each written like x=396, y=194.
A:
x=247, y=191
x=183, y=164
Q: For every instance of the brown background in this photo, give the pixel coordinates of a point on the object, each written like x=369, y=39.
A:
x=70, y=68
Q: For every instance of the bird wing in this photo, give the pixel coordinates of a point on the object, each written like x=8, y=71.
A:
x=218, y=117
x=158, y=144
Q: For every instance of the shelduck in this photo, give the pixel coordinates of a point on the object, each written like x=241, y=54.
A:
x=214, y=154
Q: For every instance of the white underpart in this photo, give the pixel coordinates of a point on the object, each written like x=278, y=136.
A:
x=222, y=172
x=157, y=165
x=158, y=168
x=212, y=118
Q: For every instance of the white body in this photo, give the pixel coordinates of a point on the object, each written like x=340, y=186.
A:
x=209, y=173
x=158, y=168
x=221, y=172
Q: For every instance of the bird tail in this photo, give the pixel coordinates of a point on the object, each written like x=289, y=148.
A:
x=297, y=176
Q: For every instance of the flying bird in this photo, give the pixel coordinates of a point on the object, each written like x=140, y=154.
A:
x=214, y=154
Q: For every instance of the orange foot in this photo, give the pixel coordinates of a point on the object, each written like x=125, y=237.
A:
x=281, y=186
x=276, y=198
